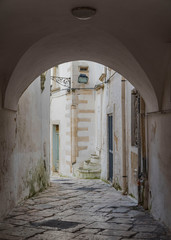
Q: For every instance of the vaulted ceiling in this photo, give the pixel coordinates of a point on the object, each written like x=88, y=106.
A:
x=133, y=37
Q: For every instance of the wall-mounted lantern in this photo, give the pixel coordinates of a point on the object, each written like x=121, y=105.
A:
x=82, y=78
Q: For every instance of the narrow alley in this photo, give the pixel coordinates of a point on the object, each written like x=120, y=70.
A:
x=80, y=209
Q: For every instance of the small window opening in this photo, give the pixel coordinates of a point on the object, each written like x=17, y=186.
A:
x=83, y=69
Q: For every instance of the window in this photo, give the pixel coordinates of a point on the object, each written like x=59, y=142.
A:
x=84, y=73
x=83, y=69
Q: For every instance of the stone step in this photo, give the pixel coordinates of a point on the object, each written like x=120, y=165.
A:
x=90, y=165
x=94, y=158
x=88, y=174
x=90, y=168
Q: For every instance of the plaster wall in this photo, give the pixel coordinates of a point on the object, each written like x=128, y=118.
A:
x=112, y=105
x=8, y=161
x=111, y=99
x=24, y=147
x=159, y=155
x=98, y=120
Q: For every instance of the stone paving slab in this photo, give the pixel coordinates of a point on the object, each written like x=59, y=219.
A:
x=82, y=210
x=118, y=233
x=106, y=225
x=96, y=237
x=21, y=232
x=54, y=235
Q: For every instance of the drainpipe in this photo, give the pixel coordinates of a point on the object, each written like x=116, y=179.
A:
x=124, y=171
x=101, y=104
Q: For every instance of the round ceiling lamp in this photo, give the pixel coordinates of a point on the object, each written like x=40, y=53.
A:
x=83, y=13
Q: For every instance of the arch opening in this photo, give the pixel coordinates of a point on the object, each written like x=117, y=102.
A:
x=95, y=116
x=53, y=50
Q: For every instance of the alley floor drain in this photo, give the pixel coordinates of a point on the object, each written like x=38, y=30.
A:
x=54, y=223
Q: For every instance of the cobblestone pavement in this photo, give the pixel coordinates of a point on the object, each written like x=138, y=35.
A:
x=80, y=209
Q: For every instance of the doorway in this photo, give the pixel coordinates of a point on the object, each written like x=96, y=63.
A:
x=110, y=146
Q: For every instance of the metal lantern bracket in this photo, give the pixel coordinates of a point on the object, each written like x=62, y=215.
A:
x=63, y=81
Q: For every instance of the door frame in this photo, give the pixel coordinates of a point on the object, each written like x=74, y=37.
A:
x=110, y=114
x=57, y=122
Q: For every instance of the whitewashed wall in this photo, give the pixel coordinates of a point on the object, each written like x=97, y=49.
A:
x=24, y=147
x=112, y=104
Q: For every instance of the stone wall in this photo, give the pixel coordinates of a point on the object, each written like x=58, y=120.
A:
x=159, y=155
x=24, y=147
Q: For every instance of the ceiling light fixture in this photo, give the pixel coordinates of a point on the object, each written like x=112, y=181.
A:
x=83, y=13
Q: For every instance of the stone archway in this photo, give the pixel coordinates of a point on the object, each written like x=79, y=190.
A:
x=56, y=49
